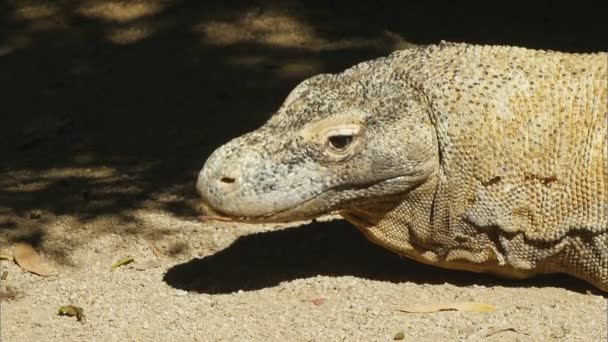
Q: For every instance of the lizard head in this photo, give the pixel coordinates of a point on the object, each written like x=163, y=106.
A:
x=338, y=142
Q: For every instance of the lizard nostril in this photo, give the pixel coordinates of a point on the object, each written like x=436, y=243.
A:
x=227, y=180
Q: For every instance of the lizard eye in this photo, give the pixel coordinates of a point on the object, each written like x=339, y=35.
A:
x=340, y=142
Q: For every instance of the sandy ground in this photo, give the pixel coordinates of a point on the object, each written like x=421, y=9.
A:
x=109, y=110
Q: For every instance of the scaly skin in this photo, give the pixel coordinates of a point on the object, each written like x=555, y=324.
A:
x=479, y=158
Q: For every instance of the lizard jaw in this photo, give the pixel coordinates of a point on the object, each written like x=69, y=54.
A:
x=314, y=206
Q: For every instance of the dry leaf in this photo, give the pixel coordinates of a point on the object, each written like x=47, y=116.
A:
x=122, y=262
x=28, y=259
x=456, y=306
x=487, y=332
x=318, y=301
x=496, y=330
x=156, y=251
x=71, y=311
x=6, y=256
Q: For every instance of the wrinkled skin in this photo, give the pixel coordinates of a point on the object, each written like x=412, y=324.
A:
x=479, y=158
x=331, y=151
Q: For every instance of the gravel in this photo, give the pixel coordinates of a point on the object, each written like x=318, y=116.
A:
x=129, y=304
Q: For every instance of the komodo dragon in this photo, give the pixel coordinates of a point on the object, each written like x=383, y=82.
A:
x=478, y=158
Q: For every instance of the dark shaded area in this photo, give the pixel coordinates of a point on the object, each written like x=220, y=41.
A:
x=8, y=225
x=263, y=260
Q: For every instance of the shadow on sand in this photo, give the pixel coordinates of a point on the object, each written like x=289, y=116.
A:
x=329, y=249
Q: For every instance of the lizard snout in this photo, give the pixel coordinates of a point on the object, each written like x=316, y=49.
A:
x=223, y=181
x=213, y=182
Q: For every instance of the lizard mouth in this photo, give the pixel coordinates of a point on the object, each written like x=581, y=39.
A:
x=281, y=215
x=213, y=214
x=314, y=206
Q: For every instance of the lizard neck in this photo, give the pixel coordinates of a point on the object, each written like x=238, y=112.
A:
x=404, y=225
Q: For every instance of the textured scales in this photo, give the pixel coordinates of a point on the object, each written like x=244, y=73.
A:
x=479, y=158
